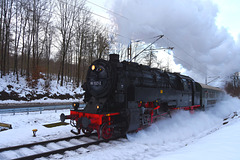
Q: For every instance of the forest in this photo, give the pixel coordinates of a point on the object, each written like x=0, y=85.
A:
x=45, y=38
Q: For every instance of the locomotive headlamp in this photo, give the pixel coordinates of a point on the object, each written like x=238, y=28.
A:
x=75, y=106
x=93, y=67
x=97, y=107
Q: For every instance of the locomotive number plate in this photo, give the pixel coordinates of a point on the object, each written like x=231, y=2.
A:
x=96, y=83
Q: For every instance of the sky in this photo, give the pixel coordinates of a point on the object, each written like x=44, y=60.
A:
x=204, y=33
x=226, y=17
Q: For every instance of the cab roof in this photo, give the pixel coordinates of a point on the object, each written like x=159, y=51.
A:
x=210, y=87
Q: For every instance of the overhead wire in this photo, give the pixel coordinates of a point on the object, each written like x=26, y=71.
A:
x=102, y=16
x=109, y=18
x=158, y=37
x=86, y=10
x=188, y=54
x=106, y=9
x=58, y=14
x=182, y=49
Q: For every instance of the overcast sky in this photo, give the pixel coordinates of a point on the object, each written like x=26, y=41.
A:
x=228, y=15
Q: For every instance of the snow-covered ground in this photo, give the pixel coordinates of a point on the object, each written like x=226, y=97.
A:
x=185, y=136
x=24, y=92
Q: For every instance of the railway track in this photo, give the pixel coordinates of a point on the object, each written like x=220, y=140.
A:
x=47, y=148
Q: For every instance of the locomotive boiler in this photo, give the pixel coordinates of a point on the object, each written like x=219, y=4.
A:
x=125, y=96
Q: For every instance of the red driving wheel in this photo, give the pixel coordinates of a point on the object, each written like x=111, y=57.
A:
x=106, y=131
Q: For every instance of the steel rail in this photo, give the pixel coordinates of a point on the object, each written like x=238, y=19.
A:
x=58, y=151
x=44, y=142
x=61, y=151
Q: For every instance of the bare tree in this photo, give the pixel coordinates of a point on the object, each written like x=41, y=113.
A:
x=18, y=30
x=25, y=14
x=6, y=16
x=102, y=43
x=68, y=15
x=49, y=34
x=29, y=44
x=150, y=57
x=1, y=36
x=47, y=37
x=82, y=28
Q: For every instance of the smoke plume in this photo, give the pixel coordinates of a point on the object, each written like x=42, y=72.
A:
x=189, y=26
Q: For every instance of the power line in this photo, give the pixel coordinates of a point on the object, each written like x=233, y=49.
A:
x=171, y=48
x=107, y=9
x=107, y=18
x=58, y=14
x=97, y=15
x=184, y=51
x=188, y=64
x=158, y=37
x=86, y=10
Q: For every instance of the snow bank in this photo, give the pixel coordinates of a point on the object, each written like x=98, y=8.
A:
x=12, y=91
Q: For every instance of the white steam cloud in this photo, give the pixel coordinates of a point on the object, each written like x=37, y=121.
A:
x=187, y=25
x=184, y=128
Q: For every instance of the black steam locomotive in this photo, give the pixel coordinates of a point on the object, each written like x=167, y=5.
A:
x=125, y=96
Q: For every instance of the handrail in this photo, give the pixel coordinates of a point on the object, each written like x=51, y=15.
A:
x=36, y=109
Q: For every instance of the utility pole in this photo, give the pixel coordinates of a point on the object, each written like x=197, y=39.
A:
x=129, y=51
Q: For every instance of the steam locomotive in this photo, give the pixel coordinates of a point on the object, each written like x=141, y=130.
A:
x=125, y=96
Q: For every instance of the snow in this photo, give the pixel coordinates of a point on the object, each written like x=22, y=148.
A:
x=22, y=88
x=23, y=124
x=185, y=136
x=222, y=145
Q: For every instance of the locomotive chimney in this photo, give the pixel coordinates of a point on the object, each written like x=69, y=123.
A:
x=114, y=57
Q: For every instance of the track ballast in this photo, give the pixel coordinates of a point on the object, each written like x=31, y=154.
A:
x=91, y=140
